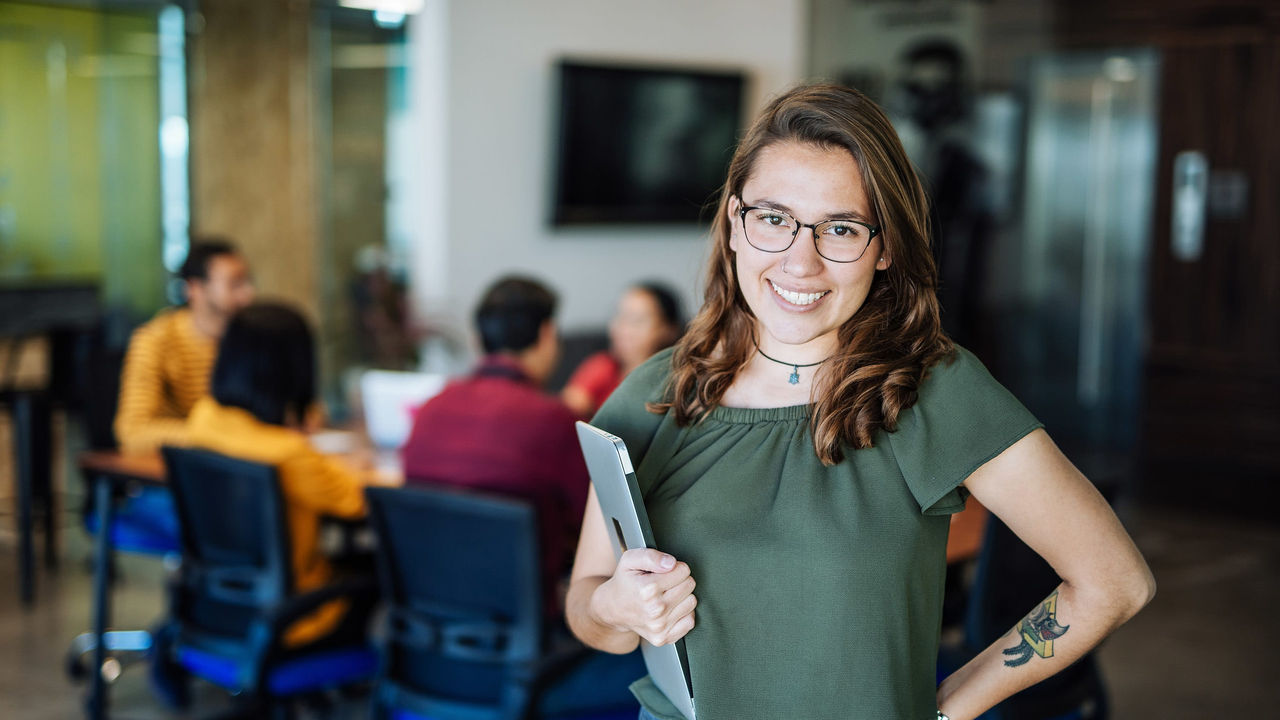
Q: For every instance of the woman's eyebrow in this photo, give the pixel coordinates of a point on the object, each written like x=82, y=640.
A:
x=842, y=215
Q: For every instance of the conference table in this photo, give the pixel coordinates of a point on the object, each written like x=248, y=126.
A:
x=108, y=471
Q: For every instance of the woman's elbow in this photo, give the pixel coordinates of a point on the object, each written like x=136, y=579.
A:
x=1136, y=591
x=1121, y=595
x=1144, y=589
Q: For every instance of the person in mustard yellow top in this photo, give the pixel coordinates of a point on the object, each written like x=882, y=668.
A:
x=263, y=384
x=167, y=366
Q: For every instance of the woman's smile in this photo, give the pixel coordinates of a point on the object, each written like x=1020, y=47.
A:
x=802, y=300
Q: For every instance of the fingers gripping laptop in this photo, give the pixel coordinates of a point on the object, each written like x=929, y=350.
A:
x=623, y=508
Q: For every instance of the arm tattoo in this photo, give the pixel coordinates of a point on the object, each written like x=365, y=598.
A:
x=1038, y=631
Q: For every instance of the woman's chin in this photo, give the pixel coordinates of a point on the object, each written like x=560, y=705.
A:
x=789, y=334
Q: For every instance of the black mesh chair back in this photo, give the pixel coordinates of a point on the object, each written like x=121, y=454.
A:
x=461, y=576
x=235, y=541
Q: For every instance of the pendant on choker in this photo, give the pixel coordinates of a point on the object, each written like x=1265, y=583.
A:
x=794, y=377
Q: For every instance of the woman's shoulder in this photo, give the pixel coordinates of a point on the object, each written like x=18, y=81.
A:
x=955, y=370
x=236, y=432
x=959, y=392
x=962, y=418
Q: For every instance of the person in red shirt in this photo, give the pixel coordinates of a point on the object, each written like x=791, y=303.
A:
x=497, y=431
x=647, y=320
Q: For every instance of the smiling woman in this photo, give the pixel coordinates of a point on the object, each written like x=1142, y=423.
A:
x=801, y=450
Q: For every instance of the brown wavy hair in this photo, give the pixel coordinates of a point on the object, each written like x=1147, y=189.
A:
x=896, y=335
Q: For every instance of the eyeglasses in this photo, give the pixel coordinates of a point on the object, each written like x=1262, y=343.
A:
x=774, y=231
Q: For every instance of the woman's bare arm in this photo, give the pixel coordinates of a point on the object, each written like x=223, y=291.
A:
x=1045, y=501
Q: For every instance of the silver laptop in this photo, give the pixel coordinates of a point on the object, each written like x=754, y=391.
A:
x=624, y=513
x=391, y=399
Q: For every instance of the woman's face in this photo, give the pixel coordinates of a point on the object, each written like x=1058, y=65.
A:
x=799, y=298
x=637, y=329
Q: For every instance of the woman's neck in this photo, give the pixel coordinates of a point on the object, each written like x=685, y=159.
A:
x=764, y=383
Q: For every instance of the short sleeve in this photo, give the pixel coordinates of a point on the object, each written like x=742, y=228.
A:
x=624, y=413
x=962, y=419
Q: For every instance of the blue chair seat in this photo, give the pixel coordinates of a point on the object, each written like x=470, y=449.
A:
x=305, y=674
x=144, y=523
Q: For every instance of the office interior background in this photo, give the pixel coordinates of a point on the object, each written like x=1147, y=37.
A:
x=1115, y=204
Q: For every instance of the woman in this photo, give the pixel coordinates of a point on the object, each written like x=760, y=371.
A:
x=262, y=389
x=802, y=447
x=647, y=320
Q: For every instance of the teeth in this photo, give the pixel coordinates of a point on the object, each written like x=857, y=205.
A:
x=796, y=298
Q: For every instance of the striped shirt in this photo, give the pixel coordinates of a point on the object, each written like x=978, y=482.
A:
x=166, y=370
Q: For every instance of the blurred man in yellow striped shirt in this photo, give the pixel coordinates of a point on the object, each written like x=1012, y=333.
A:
x=167, y=367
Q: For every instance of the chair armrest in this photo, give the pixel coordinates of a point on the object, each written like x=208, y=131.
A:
x=358, y=590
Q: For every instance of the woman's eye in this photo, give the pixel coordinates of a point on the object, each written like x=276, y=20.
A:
x=844, y=231
x=775, y=220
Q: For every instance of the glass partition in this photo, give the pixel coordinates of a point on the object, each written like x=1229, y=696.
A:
x=80, y=160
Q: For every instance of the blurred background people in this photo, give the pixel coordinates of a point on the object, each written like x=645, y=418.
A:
x=937, y=102
x=646, y=321
x=170, y=358
x=380, y=310
x=497, y=430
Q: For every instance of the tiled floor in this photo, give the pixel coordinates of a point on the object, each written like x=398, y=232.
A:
x=1207, y=647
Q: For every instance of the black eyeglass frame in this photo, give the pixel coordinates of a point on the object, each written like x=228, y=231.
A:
x=742, y=217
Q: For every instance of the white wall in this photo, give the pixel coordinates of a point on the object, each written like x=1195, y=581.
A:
x=491, y=216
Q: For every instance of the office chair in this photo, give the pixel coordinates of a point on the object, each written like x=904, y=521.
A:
x=144, y=521
x=1010, y=580
x=234, y=598
x=465, y=636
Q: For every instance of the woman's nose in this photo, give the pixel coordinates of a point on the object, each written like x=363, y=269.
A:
x=802, y=258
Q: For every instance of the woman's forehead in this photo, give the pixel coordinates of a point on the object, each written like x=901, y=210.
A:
x=807, y=180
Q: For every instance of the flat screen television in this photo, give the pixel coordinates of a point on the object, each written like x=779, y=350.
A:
x=642, y=145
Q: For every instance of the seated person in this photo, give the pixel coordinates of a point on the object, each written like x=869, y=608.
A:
x=647, y=320
x=263, y=386
x=167, y=366
x=497, y=431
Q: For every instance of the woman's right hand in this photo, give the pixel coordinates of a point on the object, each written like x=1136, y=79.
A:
x=649, y=594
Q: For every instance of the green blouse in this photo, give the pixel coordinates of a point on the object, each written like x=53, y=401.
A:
x=819, y=588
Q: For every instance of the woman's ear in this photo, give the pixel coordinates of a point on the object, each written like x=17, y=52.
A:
x=884, y=260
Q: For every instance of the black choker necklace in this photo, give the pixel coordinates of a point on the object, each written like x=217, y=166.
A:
x=794, y=379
